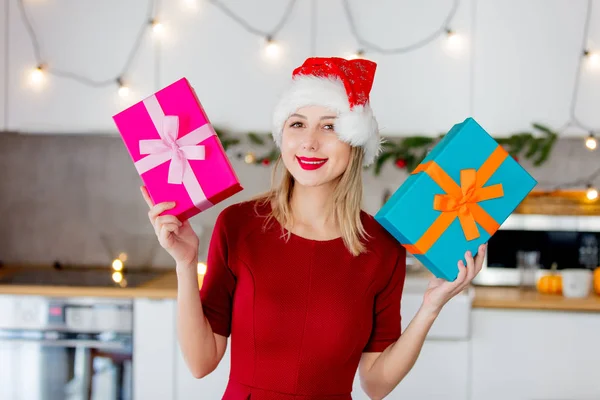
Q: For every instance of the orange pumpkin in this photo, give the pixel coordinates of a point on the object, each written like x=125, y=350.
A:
x=550, y=284
x=597, y=280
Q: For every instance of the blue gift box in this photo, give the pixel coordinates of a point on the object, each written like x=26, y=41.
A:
x=456, y=199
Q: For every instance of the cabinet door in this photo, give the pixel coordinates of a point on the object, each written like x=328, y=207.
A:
x=154, y=346
x=542, y=355
x=441, y=372
x=210, y=387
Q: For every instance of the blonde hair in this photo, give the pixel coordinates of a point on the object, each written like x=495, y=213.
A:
x=345, y=207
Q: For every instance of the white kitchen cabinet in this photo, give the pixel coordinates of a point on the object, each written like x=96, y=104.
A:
x=154, y=345
x=442, y=362
x=442, y=369
x=210, y=387
x=441, y=372
x=541, y=355
x=444, y=358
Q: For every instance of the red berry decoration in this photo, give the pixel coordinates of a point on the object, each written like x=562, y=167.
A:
x=401, y=163
x=266, y=161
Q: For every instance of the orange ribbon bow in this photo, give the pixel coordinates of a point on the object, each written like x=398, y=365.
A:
x=461, y=201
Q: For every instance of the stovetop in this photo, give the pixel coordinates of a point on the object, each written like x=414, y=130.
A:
x=101, y=277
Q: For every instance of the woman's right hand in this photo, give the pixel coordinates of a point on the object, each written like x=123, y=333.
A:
x=177, y=238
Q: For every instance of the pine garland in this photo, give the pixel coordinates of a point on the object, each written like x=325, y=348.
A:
x=408, y=151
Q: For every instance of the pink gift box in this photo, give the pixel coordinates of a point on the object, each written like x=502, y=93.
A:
x=176, y=151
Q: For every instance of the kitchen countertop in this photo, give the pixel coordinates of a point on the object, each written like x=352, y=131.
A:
x=165, y=286
x=515, y=298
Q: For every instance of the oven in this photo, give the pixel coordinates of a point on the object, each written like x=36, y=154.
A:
x=534, y=243
x=65, y=348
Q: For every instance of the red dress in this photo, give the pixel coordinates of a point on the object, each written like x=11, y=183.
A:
x=300, y=313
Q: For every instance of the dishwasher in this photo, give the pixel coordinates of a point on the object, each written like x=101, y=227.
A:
x=65, y=348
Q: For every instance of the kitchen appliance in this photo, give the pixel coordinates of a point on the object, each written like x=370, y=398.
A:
x=65, y=348
x=530, y=242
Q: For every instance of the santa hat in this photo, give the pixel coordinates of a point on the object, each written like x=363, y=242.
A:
x=341, y=85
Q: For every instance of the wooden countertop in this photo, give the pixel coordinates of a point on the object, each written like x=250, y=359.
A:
x=165, y=286
x=515, y=298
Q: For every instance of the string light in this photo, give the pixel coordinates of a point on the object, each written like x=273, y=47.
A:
x=593, y=58
x=157, y=27
x=591, y=193
x=372, y=47
x=454, y=41
x=201, y=272
x=451, y=34
x=123, y=88
x=117, y=265
x=250, y=158
x=117, y=277
x=591, y=142
x=201, y=268
x=37, y=75
x=272, y=48
x=360, y=53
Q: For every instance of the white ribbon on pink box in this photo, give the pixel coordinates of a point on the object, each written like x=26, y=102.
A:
x=177, y=151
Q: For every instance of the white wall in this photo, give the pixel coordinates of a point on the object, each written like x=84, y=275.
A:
x=524, y=52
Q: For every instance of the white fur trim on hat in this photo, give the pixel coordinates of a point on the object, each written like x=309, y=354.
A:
x=358, y=126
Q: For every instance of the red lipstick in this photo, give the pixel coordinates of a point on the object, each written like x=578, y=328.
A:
x=311, y=163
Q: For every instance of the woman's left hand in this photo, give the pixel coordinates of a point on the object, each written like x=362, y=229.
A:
x=440, y=291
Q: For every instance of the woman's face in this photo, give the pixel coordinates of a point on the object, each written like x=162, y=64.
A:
x=310, y=148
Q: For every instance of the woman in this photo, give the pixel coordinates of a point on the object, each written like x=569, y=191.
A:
x=307, y=284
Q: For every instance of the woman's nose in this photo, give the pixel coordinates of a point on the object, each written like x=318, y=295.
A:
x=311, y=140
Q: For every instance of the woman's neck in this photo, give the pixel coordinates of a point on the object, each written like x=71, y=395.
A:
x=311, y=209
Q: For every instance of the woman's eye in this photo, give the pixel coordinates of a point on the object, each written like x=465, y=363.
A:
x=296, y=125
x=329, y=127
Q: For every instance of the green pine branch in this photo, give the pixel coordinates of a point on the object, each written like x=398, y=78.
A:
x=535, y=146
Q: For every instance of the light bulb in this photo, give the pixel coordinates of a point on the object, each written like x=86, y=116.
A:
x=454, y=41
x=250, y=158
x=593, y=58
x=357, y=54
x=123, y=89
x=117, y=277
x=37, y=75
x=117, y=265
x=123, y=257
x=591, y=142
x=157, y=27
x=272, y=48
x=592, y=193
x=201, y=268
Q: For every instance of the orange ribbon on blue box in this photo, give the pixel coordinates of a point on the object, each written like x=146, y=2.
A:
x=461, y=201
